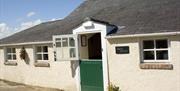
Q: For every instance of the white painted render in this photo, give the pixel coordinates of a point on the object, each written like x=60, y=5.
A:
x=125, y=72
x=59, y=75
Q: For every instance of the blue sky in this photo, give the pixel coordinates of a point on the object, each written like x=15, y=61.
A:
x=17, y=15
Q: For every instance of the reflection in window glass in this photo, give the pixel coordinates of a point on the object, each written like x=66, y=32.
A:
x=72, y=53
x=9, y=57
x=71, y=42
x=148, y=44
x=39, y=57
x=13, y=50
x=45, y=49
x=65, y=42
x=39, y=49
x=45, y=56
x=161, y=44
x=14, y=57
x=8, y=50
x=148, y=55
x=162, y=55
x=58, y=44
x=58, y=39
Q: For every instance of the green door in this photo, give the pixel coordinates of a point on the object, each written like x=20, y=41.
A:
x=91, y=75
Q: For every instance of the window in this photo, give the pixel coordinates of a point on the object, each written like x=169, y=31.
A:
x=42, y=53
x=65, y=47
x=11, y=54
x=155, y=50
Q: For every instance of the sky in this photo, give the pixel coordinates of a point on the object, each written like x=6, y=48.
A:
x=17, y=15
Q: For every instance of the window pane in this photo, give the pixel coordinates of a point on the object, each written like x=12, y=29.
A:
x=149, y=44
x=162, y=55
x=161, y=44
x=45, y=56
x=45, y=49
x=13, y=50
x=72, y=52
x=148, y=55
x=58, y=44
x=71, y=42
x=65, y=42
x=39, y=56
x=9, y=57
x=14, y=57
x=8, y=50
x=58, y=39
x=39, y=49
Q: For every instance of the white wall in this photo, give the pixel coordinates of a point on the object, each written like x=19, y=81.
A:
x=124, y=70
x=58, y=75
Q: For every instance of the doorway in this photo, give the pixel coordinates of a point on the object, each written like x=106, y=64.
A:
x=91, y=73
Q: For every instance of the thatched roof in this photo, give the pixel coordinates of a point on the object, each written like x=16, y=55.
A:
x=132, y=16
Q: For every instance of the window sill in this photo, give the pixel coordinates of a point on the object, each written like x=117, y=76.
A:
x=41, y=64
x=10, y=63
x=161, y=66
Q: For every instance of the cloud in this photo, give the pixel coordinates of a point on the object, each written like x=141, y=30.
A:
x=5, y=30
x=30, y=14
x=3, y=27
x=29, y=24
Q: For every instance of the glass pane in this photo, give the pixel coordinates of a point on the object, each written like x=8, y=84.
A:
x=58, y=39
x=65, y=42
x=45, y=56
x=8, y=50
x=39, y=49
x=14, y=57
x=148, y=44
x=148, y=55
x=9, y=57
x=39, y=56
x=13, y=50
x=71, y=42
x=45, y=49
x=162, y=55
x=72, y=52
x=58, y=44
x=161, y=44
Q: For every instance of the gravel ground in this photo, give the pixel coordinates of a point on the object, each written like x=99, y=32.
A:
x=12, y=86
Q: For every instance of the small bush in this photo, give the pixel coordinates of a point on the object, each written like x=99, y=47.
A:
x=113, y=88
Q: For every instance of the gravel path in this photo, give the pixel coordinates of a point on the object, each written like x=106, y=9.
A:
x=12, y=86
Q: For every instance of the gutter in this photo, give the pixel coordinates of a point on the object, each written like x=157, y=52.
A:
x=27, y=43
x=143, y=35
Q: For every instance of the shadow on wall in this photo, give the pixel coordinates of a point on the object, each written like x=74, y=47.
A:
x=27, y=59
x=74, y=65
x=24, y=56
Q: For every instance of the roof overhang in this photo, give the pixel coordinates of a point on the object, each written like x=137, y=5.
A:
x=143, y=35
x=27, y=43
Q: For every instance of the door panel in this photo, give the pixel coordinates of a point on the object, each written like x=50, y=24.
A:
x=91, y=76
x=65, y=47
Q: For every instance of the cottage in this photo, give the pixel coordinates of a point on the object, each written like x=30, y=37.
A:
x=133, y=44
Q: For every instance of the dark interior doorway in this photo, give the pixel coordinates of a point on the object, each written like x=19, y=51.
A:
x=94, y=46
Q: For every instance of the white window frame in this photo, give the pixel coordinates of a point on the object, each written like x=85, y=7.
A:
x=41, y=53
x=11, y=54
x=155, y=50
x=76, y=47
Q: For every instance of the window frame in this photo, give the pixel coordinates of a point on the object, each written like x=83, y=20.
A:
x=75, y=47
x=155, y=50
x=11, y=54
x=42, y=53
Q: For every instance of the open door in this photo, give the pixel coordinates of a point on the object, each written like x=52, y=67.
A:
x=65, y=47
